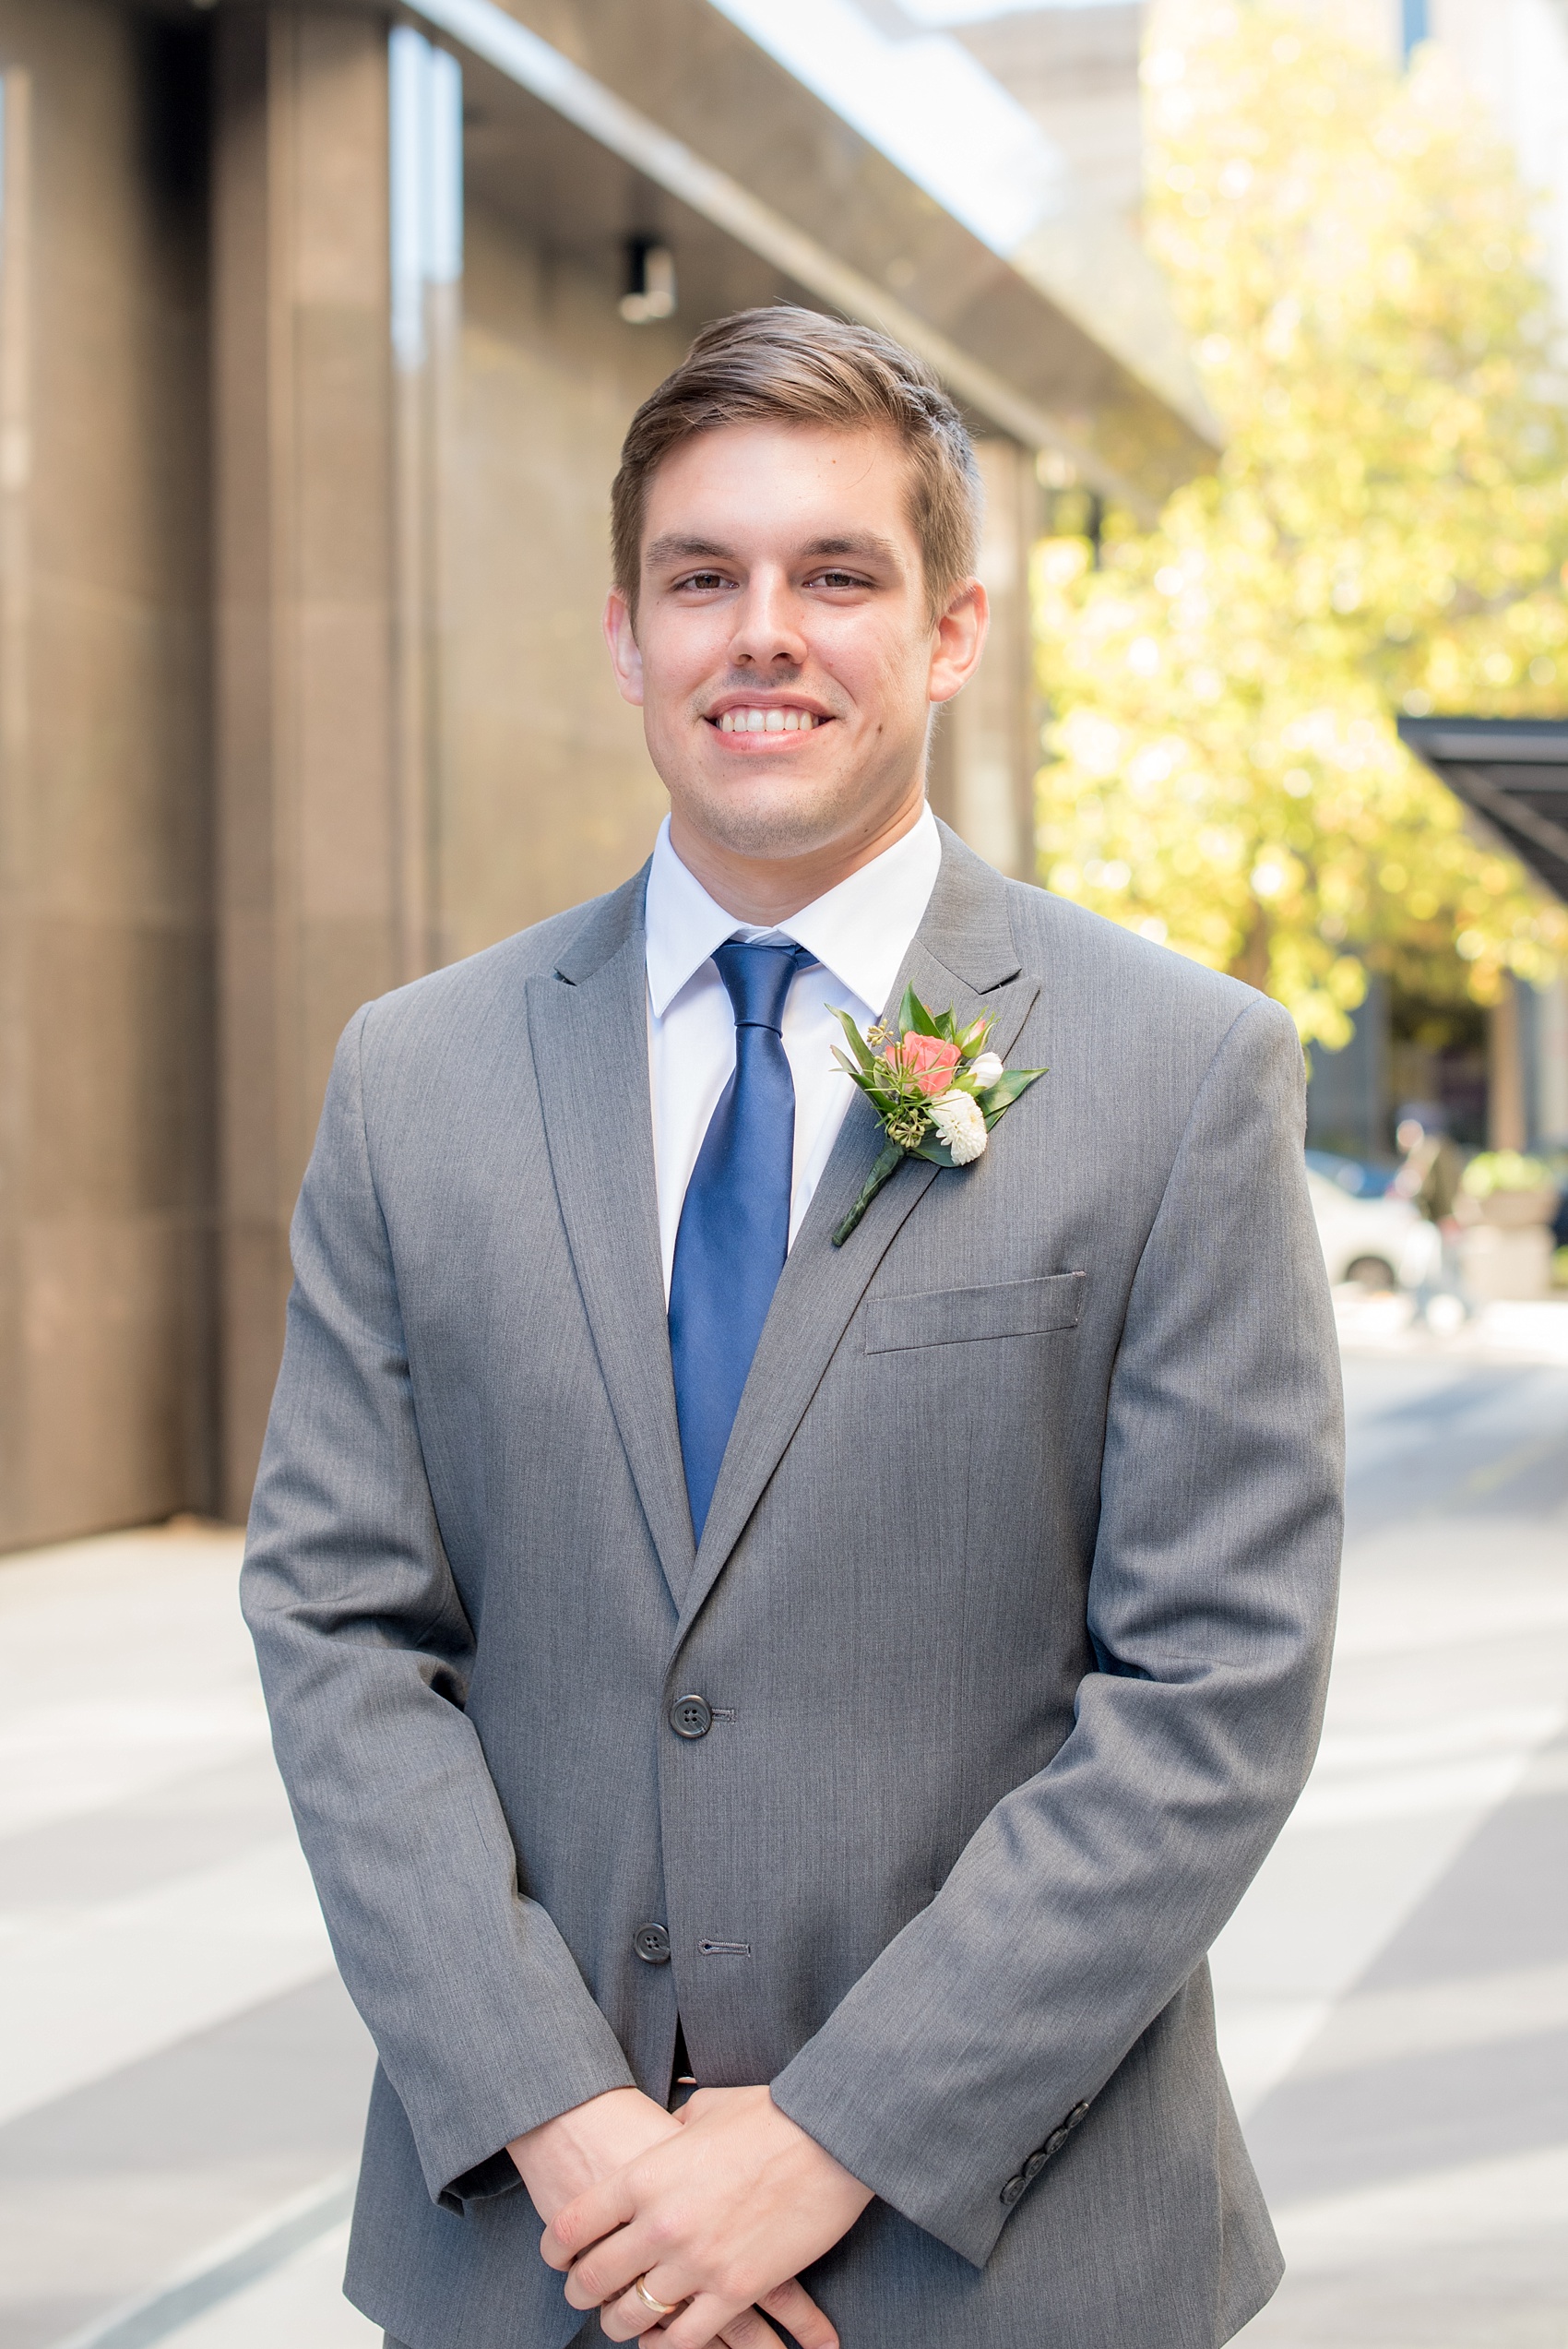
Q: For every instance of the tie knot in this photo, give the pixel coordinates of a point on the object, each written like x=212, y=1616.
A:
x=758, y=979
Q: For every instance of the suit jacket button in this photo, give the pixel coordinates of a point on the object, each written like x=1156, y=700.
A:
x=1035, y=2164
x=1012, y=2190
x=1053, y=2143
x=691, y=1717
x=1076, y=2115
x=651, y=1943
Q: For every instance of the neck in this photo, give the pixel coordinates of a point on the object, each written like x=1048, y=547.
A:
x=767, y=890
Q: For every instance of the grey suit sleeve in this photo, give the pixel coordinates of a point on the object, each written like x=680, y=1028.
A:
x=1091, y=1892
x=480, y=2016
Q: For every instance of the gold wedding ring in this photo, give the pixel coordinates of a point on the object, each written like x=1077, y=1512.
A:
x=655, y=2308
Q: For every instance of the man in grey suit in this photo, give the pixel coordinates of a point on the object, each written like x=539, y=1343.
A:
x=860, y=1681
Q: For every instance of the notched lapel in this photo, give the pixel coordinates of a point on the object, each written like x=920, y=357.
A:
x=589, y=1038
x=962, y=956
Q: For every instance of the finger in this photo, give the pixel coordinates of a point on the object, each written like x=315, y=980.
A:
x=628, y=2319
x=610, y=2267
x=732, y=2335
x=799, y=2314
x=748, y=2331
x=596, y=2213
x=709, y=2317
x=745, y=2332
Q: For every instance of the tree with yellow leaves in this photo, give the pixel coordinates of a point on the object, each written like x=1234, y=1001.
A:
x=1353, y=256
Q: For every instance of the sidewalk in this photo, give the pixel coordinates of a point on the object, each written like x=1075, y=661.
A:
x=184, y=2079
x=1384, y=1325
x=1393, y=1990
x=180, y=2060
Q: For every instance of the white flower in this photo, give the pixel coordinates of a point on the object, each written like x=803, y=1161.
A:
x=961, y=1123
x=985, y=1069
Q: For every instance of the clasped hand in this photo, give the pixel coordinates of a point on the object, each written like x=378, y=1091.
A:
x=716, y=2215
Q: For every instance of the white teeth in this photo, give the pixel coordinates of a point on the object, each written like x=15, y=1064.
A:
x=771, y=721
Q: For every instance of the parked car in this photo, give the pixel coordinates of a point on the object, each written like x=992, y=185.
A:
x=1362, y=1239
x=1357, y=1175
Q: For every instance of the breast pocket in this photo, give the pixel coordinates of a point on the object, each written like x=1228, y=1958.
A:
x=948, y=1317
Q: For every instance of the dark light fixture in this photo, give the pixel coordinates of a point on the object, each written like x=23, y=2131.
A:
x=650, y=281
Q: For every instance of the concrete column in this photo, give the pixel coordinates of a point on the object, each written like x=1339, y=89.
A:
x=18, y=1513
x=987, y=746
x=426, y=202
x=1505, y=1115
x=1552, y=1075
x=310, y=917
x=105, y=979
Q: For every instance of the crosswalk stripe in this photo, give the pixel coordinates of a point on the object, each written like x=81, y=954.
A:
x=224, y=2270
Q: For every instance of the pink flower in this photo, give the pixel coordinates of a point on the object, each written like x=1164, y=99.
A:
x=930, y=1060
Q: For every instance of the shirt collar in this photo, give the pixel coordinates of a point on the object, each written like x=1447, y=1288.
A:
x=859, y=931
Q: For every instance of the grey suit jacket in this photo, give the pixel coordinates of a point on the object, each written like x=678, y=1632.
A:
x=1012, y=1608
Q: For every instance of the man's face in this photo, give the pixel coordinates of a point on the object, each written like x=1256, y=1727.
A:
x=785, y=656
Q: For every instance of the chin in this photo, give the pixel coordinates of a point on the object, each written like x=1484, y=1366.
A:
x=770, y=818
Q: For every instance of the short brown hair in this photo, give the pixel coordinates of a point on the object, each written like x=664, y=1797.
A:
x=794, y=366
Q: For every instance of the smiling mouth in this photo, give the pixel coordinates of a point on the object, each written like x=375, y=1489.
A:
x=769, y=720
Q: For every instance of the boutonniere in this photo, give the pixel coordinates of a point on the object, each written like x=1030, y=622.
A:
x=936, y=1089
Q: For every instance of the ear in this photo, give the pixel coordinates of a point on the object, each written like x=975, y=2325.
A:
x=958, y=640
x=624, y=657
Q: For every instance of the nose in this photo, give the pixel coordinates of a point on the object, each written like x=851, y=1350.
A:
x=768, y=633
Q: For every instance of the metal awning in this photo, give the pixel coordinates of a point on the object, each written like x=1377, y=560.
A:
x=1513, y=772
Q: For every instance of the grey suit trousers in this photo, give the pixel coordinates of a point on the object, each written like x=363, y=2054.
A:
x=1012, y=1614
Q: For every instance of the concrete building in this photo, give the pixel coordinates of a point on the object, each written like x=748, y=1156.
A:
x=319, y=328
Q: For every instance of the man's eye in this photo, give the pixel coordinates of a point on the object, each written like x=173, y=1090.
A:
x=703, y=580
x=839, y=579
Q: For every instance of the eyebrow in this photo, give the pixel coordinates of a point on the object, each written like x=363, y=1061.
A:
x=672, y=549
x=866, y=544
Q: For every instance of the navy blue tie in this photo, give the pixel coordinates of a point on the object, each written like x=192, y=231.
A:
x=734, y=1230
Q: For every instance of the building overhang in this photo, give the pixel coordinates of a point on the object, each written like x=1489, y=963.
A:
x=702, y=119
x=1514, y=773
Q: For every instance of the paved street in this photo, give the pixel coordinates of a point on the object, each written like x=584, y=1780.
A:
x=182, y=2078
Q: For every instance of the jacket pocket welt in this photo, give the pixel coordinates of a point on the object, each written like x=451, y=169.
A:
x=946, y=1317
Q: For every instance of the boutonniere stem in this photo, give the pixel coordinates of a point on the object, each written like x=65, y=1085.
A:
x=935, y=1087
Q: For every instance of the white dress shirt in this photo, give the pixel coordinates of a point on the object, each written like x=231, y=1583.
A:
x=859, y=934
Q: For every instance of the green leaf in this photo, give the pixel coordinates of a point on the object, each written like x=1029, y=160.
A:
x=1006, y=1090
x=972, y=1041
x=912, y=1013
x=864, y=1056
x=938, y=1152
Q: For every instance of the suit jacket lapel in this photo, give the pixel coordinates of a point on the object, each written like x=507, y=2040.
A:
x=963, y=955
x=587, y=1022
